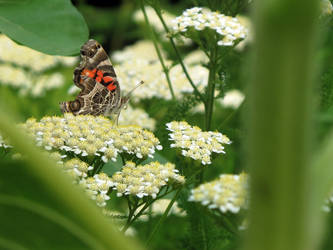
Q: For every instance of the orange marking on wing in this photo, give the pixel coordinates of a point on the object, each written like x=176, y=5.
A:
x=98, y=79
x=107, y=79
x=111, y=87
x=100, y=73
x=89, y=73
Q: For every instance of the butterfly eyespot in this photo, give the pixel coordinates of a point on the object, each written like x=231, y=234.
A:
x=74, y=105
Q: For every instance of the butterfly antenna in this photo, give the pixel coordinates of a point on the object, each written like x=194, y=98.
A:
x=124, y=101
x=129, y=93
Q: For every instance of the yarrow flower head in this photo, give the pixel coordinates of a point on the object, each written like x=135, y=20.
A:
x=194, y=142
x=229, y=193
x=97, y=187
x=86, y=135
x=74, y=167
x=229, y=29
x=145, y=180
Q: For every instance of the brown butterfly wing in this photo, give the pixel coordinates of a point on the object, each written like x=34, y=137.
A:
x=99, y=95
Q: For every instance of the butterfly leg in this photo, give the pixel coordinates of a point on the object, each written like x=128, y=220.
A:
x=77, y=78
x=116, y=119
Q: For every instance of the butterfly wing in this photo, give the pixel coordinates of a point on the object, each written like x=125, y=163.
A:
x=95, y=76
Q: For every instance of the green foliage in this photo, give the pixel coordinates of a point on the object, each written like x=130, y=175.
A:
x=40, y=208
x=53, y=27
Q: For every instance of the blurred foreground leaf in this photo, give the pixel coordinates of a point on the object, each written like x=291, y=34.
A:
x=53, y=27
x=32, y=218
x=41, y=209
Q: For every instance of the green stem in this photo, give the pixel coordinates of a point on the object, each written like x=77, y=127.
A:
x=159, y=54
x=148, y=203
x=196, y=91
x=227, y=119
x=122, y=159
x=98, y=166
x=130, y=220
x=203, y=232
x=224, y=220
x=162, y=219
x=209, y=104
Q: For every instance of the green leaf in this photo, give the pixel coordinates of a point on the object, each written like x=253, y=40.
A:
x=53, y=27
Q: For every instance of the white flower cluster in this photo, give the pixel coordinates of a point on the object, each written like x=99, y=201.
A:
x=246, y=22
x=23, y=68
x=136, y=116
x=28, y=82
x=159, y=207
x=232, y=99
x=228, y=193
x=140, y=62
x=25, y=57
x=145, y=180
x=97, y=187
x=229, y=29
x=89, y=135
x=197, y=144
x=74, y=167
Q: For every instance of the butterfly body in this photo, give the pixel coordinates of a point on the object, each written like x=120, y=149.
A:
x=95, y=76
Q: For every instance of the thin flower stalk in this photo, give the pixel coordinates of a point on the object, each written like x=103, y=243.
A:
x=154, y=38
x=163, y=217
x=196, y=91
x=209, y=104
x=136, y=205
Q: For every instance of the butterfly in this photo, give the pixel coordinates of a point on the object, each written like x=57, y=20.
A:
x=100, y=90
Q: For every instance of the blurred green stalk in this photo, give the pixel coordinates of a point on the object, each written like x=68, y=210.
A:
x=280, y=108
